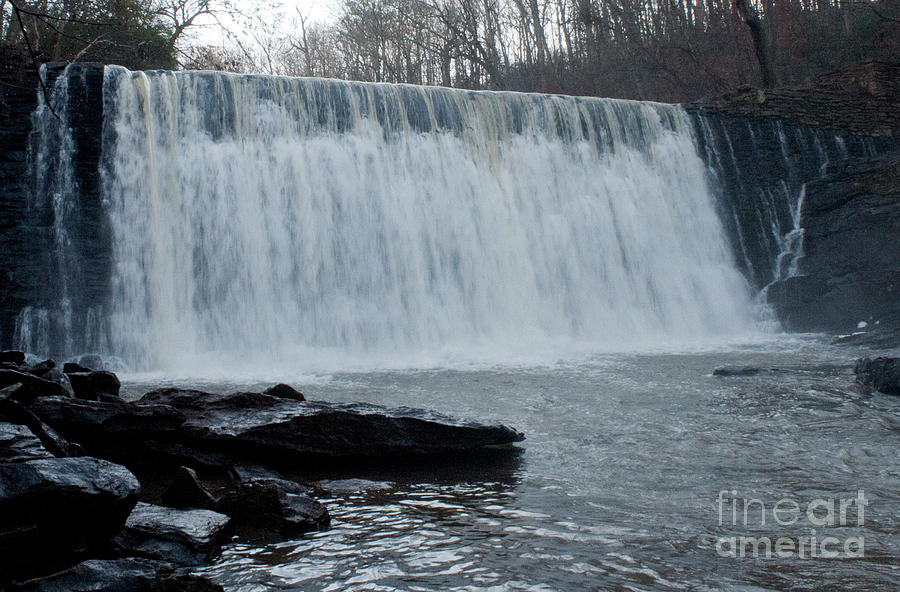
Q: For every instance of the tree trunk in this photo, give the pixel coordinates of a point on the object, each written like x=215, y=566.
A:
x=760, y=41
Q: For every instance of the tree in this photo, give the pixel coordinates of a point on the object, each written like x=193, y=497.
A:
x=761, y=44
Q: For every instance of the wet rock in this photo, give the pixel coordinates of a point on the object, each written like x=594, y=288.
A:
x=12, y=357
x=53, y=442
x=185, y=537
x=38, y=368
x=59, y=377
x=737, y=371
x=121, y=575
x=186, y=491
x=284, y=391
x=276, y=505
x=267, y=427
x=98, y=422
x=348, y=486
x=90, y=385
x=57, y=507
x=32, y=386
x=19, y=444
x=882, y=374
x=203, y=430
x=72, y=367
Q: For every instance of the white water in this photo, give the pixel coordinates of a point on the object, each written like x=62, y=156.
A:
x=300, y=219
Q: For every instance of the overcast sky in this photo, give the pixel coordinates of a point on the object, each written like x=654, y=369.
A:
x=281, y=12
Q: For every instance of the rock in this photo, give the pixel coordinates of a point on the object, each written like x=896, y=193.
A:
x=18, y=444
x=121, y=575
x=178, y=427
x=186, y=491
x=882, y=374
x=736, y=371
x=271, y=504
x=53, y=442
x=56, y=507
x=349, y=486
x=849, y=271
x=59, y=377
x=185, y=537
x=12, y=357
x=284, y=391
x=89, y=385
x=265, y=427
x=32, y=386
x=72, y=367
x=39, y=368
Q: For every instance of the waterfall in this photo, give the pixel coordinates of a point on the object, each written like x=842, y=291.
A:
x=284, y=217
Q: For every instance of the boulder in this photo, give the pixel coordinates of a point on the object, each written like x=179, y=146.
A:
x=268, y=504
x=737, y=371
x=186, y=491
x=15, y=412
x=32, y=386
x=120, y=575
x=58, y=507
x=12, y=357
x=197, y=429
x=266, y=427
x=90, y=385
x=38, y=368
x=185, y=537
x=59, y=377
x=72, y=367
x=19, y=444
x=284, y=391
x=882, y=374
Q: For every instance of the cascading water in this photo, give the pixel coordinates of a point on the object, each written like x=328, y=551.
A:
x=285, y=217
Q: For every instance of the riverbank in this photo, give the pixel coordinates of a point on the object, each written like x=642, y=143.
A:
x=97, y=492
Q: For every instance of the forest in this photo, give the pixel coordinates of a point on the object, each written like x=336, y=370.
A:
x=663, y=50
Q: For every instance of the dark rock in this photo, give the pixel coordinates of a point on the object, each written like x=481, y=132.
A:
x=18, y=444
x=71, y=367
x=736, y=371
x=266, y=427
x=851, y=245
x=110, y=398
x=284, y=391
x=121, y=575
x=185, y=537
x=349, y=486
x=186, y=491
x=59, y=377
x=216, y=431
x=12, y=357
x=40, y=368
x=56, y=507
x=53, y=442
x=96, y=575
x=89, y=385
x=8, y=366
x=271, y=504
x=882, y=374
x=32, y=386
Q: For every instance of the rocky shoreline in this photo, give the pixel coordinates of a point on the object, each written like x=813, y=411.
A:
x=97, y=493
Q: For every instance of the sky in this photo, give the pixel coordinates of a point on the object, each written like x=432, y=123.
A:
x=283, y=13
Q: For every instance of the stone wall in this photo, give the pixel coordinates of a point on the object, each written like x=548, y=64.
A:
x=36, y=214
x=21, y=270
